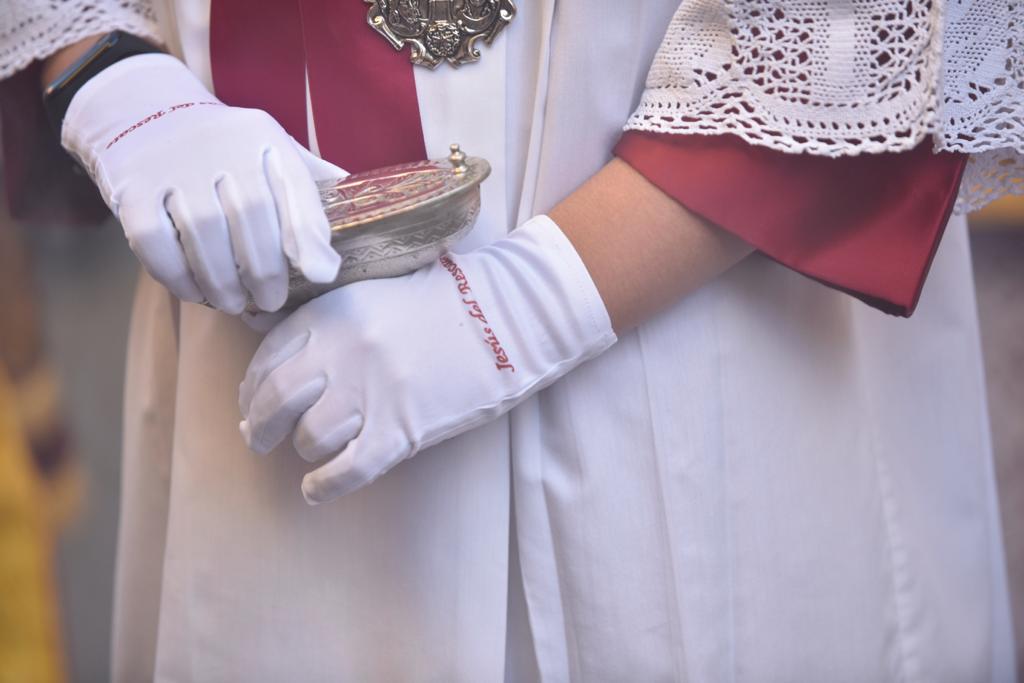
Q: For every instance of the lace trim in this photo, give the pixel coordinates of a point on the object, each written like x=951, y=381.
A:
x=982, y=87
x=847, y=77
x=34, y=29
x=825, y=78
x=989, y=176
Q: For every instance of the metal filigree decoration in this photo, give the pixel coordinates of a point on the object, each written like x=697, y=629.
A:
x=392, y=221
x=440, y=30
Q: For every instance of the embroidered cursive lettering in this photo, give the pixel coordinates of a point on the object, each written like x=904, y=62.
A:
x=475, y=311
x=153, y=117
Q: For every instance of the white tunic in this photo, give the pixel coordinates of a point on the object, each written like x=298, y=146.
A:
x=768, y=482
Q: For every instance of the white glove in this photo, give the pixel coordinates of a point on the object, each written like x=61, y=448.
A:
x=374, y=372
x=215, y=200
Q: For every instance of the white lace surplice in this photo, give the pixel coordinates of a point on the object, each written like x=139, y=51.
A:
x=35, y=29
x=840, y=77
x=830, y=77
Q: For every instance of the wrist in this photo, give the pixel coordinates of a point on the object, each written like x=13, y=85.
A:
x=585, y=297
x=59, y=61
x=83, y=61
x=566, y=315
x=125, y=97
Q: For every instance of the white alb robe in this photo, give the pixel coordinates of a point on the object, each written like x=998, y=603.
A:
x=768, y=482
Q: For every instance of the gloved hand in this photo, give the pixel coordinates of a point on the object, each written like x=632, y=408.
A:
x=370, y=374
x=215, y=200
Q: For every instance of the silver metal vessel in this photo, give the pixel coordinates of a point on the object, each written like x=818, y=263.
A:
x=392, y=221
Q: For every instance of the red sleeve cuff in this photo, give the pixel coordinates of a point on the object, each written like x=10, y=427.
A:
x=866, y=225
x=42, y=183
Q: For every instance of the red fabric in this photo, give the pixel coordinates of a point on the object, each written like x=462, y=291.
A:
x=867, y=225
x=258, y=61
x=363, y=92
x=42, y=182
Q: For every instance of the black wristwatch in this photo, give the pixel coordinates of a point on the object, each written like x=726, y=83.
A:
x=109, y=49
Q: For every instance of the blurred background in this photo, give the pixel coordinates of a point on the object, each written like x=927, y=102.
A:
x=65, y=297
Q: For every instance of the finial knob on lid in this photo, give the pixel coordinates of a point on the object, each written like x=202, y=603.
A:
x=457, y=159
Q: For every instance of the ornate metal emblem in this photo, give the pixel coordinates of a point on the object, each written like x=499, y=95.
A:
x=440, y=30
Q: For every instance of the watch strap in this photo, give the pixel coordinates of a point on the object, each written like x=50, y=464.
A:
x=108, y=50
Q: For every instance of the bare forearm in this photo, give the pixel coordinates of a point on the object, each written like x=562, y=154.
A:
x=60, y=60
x=642, y=248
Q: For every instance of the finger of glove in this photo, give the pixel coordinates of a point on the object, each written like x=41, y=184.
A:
x=255, y=240
x=203, y=231
x=279, y=402
x=153, y=238
x=279, y=346
x=319, y=169
x=322, y=432
x=305, y=232
x=350, y=470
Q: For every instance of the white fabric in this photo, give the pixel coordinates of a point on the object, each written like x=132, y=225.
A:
x=491, y=328
x=770, y=481
x=215, y=201
x=35, y=29
x=843, y=77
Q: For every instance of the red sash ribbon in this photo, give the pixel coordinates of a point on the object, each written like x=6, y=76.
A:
x=363, y=92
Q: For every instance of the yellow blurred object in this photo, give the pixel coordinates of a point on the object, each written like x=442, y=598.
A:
x=37, y=401
x=1006, y=213
x=31, y=379
x=30, y=648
